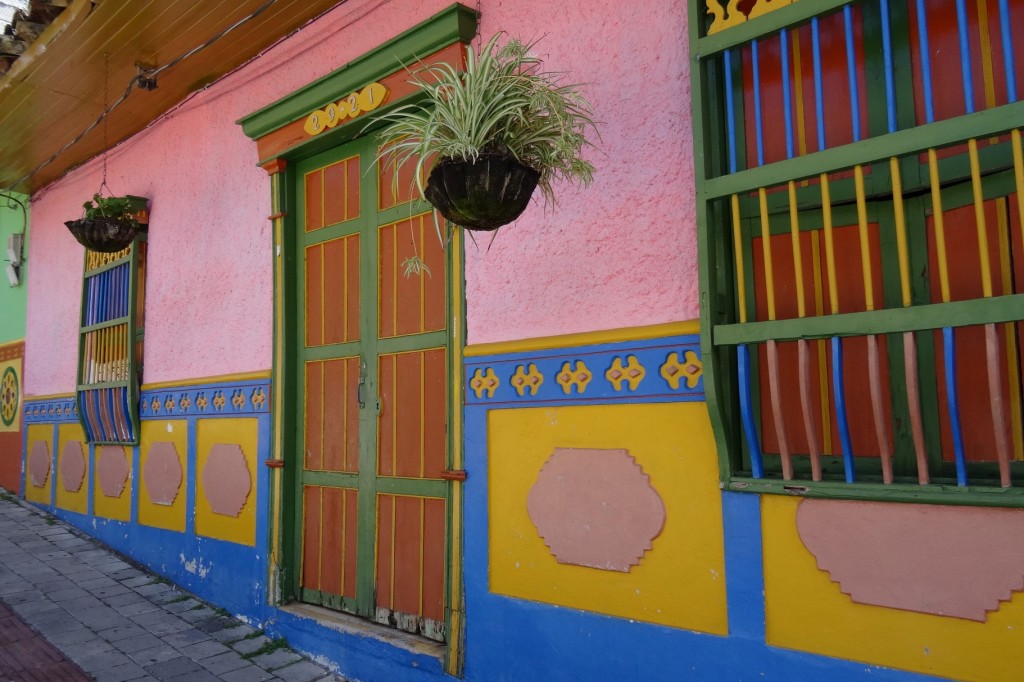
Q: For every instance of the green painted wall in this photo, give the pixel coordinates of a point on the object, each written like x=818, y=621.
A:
x=14, y=210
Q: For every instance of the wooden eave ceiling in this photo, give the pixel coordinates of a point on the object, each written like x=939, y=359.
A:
x=54, y=91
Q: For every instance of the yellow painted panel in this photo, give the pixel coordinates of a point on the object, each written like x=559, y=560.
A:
x=806, y=611
x=162, y=516
x=117, y=508
x=37, y=433
x=243, y=432
x=679, y=582
x=76, y=501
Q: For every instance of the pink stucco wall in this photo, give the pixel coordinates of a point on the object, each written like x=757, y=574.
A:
x=618, y=254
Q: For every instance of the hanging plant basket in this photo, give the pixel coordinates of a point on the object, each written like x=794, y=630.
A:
x=110, y=223
x=483, y=194
x=105, y=235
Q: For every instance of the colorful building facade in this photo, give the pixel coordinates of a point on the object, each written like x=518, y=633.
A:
x=14, y=223
x=563, y=454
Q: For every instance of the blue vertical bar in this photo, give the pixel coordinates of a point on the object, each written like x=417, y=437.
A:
x=730, y=112
x=844, y=422
x=819, y=107
x=890, y=88
x=851, y=73
x=1008, y=63
x=787, y=106
x=747, y=410
x=926, y=61
x=953, y=402
x=965, y=55
x=742, y=351
x=757, y=101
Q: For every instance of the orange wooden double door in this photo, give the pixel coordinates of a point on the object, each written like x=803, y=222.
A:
x=372, y=382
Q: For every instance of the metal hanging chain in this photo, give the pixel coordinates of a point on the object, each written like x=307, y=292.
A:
x=106, y=96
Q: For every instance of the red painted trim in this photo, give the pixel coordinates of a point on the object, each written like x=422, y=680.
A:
x=282, y=214
x=274, y=463
x=454, y=474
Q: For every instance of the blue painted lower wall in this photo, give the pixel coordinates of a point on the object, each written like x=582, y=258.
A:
x=505, y=638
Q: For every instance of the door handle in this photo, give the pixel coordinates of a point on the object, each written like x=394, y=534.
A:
x=362, y=382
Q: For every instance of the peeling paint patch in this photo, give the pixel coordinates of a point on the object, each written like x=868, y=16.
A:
x=195, y=566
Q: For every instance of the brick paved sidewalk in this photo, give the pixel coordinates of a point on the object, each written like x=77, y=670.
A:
x=26, y=655
x=116, y=621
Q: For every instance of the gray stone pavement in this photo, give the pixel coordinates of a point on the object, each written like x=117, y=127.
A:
x=118, y=622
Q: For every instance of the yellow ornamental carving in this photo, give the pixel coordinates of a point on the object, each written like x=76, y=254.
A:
x=530, y=379
x=484, y=382
x=632, y=373
x=578, y=376
x=359, y=102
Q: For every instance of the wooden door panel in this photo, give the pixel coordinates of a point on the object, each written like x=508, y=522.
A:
x=411, y=305
x=329, y=540
x=332, y=194
x=411, y=540
x=332, y=415
x=412, y=426
x=332, y=291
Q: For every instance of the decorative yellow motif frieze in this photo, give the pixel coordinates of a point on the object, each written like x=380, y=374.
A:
x=690, y=368
x=484, y=382
x=530, y=379
x=579, y=376
x=632, y=373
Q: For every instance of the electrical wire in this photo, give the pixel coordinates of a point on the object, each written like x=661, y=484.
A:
x=147, y=73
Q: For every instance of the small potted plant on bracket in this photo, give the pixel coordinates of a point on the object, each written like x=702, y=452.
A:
x=487, y=136
x=109, y=223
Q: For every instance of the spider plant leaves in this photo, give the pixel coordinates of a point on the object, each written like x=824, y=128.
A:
x=502, y=102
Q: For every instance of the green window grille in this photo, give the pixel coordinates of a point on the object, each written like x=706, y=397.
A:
x=860, y=185
x=110, y=344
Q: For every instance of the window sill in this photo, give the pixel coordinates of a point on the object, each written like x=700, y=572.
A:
x=977, y=496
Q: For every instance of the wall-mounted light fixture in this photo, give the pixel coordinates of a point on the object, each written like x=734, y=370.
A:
x=14, y=245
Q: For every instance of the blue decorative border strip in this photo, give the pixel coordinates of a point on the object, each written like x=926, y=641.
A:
x=231, y=398
x=49, y=411
x=222, y=399
x=667, y=369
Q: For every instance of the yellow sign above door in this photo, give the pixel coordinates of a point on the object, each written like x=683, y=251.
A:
x=365, y=100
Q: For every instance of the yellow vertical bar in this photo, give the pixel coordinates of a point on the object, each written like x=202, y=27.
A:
x=344, y=538
x=865, y=245
x=423, y=411
x=423, y=282
x=1018, y=173
x=798, y=263
x=901, y=230
x=940, y=227
x=737, y=241
x=423, y=543
x=452, y=666
x=320, y=543
x=323, y=293
x=979, y=219
x=394, y=518
x=986, y=54
x=344, y=288
x=766, y=251
x=830, y=247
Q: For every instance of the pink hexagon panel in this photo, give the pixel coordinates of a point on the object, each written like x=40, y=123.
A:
x=161, y=476
x=72, y=466
x=39, y=464
x=887, y=554
x=226, y=479
x=112, y=470
x=596, y=508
